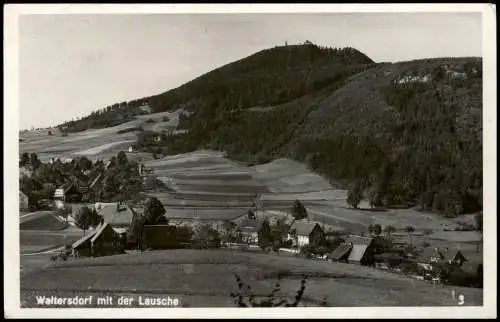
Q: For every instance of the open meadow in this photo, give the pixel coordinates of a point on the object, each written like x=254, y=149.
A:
x=204, y=278
x=96, y=143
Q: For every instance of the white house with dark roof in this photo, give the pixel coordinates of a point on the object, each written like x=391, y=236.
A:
x=305, y=232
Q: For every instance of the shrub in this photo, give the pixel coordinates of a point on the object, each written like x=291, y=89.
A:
x=130, y=129
x=245, y=298
x=298, y=210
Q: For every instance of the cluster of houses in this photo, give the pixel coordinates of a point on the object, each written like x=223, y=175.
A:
x=117, y=219
x=362, y=250
x=420, y=78
x=110, y=236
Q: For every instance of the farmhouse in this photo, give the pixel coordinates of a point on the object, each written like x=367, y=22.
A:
x=431, y=256
x=341, y=253
x=250, y=231
x=67, y=192
x=23, y=201
x=414, y=79
x=100, y=242
x=306, y=233
x=356, y=249
x=119, y=216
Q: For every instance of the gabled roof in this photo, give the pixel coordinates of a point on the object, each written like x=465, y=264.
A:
x=95, y=180
x=64, y=188
x=22, y=194
x=451, y=255
x=113, y=216
x=99, y=231
x=250, y=226
x=340, y=252
x=357, y=252
x=304, y=228
x=359, y=247
x=84, y=239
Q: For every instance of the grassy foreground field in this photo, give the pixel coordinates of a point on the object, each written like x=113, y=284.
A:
x=205, y=278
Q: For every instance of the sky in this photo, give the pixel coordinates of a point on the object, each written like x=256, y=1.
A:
x=71, y=65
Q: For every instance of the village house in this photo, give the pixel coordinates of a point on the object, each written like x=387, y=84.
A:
x=356, y=250
x=431, y=256
x=118, y=215
x=304, y=233
x=414, y=79
x=23, y=201
x=68, y=192
x=249, y=230
x=101, y=241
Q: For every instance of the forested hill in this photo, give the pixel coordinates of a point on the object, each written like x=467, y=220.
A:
x=266, y=78
x=269, y=77
x=402, y=133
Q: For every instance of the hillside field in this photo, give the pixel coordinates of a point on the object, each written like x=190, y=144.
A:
x=205, y=278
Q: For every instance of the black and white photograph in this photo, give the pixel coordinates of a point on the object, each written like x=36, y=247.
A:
x=328, y=159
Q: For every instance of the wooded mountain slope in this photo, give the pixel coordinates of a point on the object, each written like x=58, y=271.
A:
x=404, y=132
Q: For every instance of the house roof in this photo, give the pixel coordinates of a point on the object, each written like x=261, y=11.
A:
x=99, y=231
x=84, y=239
x=95, y=180
x=64, y=188
x=250, y=226
x=113, y=216
x=341, y=251
x=451, y=255
x=304, y=228
x=22, y=194
x=357, y=252
x=359, y=247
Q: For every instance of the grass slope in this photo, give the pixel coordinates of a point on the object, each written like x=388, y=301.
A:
x=205, y=278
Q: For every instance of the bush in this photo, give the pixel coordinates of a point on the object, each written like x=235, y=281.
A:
x=130, y=129
x=244, y=297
